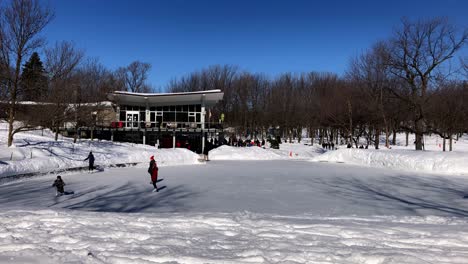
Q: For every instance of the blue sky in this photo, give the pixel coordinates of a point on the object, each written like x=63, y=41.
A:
x=271, y=37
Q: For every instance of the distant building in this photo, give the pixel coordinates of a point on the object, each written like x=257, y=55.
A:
x=164, y=119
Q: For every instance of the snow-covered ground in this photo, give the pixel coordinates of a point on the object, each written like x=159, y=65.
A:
x=428, y=161
x=286, y=151
x=36, y=151
x=402, y=157
x=48, y=236
x=247, y=205
x=278, y=211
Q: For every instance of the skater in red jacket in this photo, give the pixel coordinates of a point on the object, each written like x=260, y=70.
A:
x=153, y=171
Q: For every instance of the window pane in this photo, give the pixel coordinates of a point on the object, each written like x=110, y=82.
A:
x=182, y=117
x=122, y=116
x=169, y=117
x=172, y=108
x=166, y=108
x=159, y=108
x=198, y=108
x=179, y=108
x=198, y=117
x=152, y=108
x=192, y=108
x=185, y=108
x=152, y=116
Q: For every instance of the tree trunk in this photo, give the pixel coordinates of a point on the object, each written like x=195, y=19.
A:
x=350, y=113
x=377, y=138
x=443, y=143
x=320, y=136
x=407, y=137
x=387, y=137
x=419, y=134
x=394, y=137
x=450, y=142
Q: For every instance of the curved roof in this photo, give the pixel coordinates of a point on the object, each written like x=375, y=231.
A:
x=210, y=97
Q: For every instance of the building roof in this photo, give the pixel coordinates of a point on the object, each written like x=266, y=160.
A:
x=210, y=97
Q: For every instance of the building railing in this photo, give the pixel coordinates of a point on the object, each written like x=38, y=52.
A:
x=166, y=125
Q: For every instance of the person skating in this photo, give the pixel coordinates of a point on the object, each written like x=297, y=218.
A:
x=153, y=171
x=91, y=161
x=59, y=184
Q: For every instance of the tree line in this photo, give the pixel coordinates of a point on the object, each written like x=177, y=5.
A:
x=412, y=82
x=64, y=85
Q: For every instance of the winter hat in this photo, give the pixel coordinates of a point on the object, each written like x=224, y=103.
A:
x=152, y=158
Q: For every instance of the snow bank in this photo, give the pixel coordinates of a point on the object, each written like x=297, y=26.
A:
x=34, y=152
x=286, y=151
x=48, y=236
x=243, y=153
x=426, y=161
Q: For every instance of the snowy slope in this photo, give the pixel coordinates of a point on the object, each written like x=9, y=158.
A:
x=428, y=161
x=34, y=152
x=286, y=151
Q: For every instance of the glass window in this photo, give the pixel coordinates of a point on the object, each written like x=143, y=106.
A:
x=179, y=108
x=198, y=117
x=159, y=119
x=142, y=116
x=152, y=108
x=185, y=108
x=198, y=108
x=166, y=108
x=152, y=116
x=172, y=108
x=122, y=116
x=169, y=117
x=191, y=108
x=182, y=117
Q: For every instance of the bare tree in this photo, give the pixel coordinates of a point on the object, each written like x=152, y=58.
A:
x=415, y=54
x=134, y=76
x=61, y=62
x=20, y=23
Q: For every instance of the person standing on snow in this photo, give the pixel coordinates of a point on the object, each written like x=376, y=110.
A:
x=59, y=183
x=91, y=161
x=153, y=171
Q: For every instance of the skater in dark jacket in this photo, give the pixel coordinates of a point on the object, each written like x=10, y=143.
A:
x=91, y=161
x=153, y=171
x=59, y=183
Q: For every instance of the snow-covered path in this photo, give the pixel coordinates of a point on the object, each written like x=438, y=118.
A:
x=238, y=212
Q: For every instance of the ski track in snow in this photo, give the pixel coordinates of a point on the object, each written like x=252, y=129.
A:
x=86, y=237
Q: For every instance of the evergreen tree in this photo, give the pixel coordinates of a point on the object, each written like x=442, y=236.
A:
x=34, y=79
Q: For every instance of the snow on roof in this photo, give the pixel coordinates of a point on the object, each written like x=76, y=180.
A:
x=209, y=97
x=167, y=94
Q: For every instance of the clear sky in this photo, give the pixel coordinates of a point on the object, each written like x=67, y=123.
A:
x=178, y=37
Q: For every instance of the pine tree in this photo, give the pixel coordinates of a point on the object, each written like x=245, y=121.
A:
x=34, y=79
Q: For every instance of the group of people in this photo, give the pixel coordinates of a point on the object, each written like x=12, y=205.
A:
x=153, y=169
x=330, y=146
